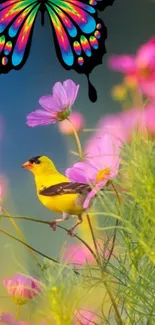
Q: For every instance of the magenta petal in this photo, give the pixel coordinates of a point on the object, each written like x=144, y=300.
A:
x=146, y=55
x=122, y=63
x=148, y=87
x=149, y=113
x=59, y=93
x=71, y=90
x=93, y=192
x=75, y=176
x=81, y=172
x=40, y=117
x=49, y=103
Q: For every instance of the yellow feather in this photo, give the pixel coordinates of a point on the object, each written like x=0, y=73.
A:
x=46, y=175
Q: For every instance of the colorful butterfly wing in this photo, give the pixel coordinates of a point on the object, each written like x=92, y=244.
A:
x=79, y=34
x=16, y=27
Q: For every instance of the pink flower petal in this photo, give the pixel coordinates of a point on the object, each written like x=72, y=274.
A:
x=149, y=114
x=93, y=192
x=113, y=125
x=83, y=317
x=122, y=63
x=105, y=151
x=49, y=103
x=148, y=87
x=40, y=117
x=60, y=95
x=71, y=90
x=78, y=254
x=146, y=56
x=82, y=172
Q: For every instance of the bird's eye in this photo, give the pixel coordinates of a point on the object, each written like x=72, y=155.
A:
x=35, y=160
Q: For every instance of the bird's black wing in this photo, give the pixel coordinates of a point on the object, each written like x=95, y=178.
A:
x=65, y=188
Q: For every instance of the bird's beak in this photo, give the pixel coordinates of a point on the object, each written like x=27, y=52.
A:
x=27, y=165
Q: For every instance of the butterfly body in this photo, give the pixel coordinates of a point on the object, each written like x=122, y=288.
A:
x=79, y=35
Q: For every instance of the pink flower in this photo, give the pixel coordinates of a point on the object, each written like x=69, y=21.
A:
x=142, y=66
x=145, y=64
x=134, y=120
x=8, y=319
x=78, y=254
x=56, y=107
x=149, y=115
x=85, y=317
x=101, y=165
x=113, y=124
x=22, y=288
x=122, y=63
x=138, y=119
x=78, y=121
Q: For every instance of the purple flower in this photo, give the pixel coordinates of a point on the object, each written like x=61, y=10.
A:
x=56, y=107
x=22, y=288
x=101, y=165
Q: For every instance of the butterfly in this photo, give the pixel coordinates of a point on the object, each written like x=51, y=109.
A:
x=79, y=35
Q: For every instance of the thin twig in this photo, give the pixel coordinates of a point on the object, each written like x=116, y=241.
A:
x=93, y=236
x=48, y=223
x=113, y=241
x=118, y=317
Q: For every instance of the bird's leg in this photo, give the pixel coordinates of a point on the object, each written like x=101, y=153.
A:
x=53, y=223
x=70, y=231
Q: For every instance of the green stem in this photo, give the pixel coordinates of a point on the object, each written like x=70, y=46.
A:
x=118, y=317
x=17, y=312
x=117, y=222
x=117, y=194
x=19, y=232
x=48, y=223
x=77, y=139
x=93, y=237
x=91, y=130
x=28, y=246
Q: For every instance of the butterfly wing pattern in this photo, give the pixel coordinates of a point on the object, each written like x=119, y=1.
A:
x=79, y=35
x=16, y=26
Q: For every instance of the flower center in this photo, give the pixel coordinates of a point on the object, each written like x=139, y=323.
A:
x=101, y=174
x=64, y=114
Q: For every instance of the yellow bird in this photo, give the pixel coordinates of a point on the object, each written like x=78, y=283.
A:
x=56, y=192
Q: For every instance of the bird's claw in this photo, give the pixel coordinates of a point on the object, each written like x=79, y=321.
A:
x=53, y=225
x=70, y=232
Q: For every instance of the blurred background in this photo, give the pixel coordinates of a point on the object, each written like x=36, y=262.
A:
x=130, y=24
